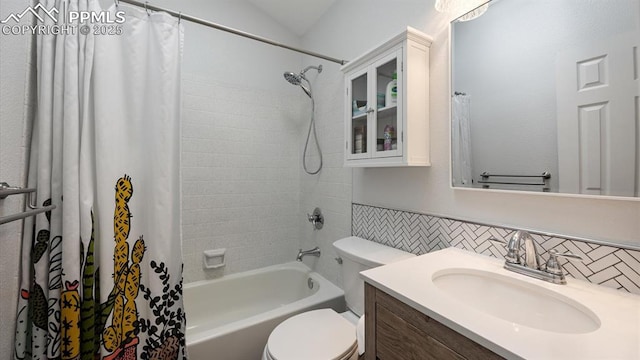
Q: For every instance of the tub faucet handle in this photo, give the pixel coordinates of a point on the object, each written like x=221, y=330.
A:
x=316, y=219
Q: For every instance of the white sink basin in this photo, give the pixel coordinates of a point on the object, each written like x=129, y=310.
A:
x=521, y=303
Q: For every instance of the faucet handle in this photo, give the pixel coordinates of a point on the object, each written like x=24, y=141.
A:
x=495, y=240
x=553, y=266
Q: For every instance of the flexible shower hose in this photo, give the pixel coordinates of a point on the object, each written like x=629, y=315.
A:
x=312, y=125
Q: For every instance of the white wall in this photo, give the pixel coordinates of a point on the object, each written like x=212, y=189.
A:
x=354, y=26
x=13, y=142
x=506, y=62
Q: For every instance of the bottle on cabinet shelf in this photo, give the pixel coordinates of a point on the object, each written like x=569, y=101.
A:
x=359, y=142
x=389, y=133
x=391, y=97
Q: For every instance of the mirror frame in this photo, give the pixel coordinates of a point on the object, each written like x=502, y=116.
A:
x=514, y=192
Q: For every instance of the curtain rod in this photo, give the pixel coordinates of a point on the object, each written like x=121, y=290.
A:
x=228, y=29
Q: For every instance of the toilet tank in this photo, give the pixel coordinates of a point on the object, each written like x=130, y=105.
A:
x=359, y=255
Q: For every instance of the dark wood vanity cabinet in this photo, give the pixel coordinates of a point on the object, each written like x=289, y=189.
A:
x=394, y=330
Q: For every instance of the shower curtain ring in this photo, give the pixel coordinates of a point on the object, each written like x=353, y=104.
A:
x=146, y=9
x=116, y=2
x=179, y=17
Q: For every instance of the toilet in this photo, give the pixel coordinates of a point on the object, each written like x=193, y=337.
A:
x=324, y=334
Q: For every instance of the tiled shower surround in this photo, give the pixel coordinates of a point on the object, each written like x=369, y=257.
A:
x=417, y=233
x=240, y=176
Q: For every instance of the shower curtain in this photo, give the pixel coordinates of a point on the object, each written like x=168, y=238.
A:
x=461, y=141
x=101, y=275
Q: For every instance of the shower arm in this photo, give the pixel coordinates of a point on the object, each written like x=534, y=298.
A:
x=319, y=68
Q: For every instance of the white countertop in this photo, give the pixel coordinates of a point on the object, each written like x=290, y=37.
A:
x=618, y=336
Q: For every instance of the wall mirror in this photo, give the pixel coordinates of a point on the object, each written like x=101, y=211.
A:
x=545, y=97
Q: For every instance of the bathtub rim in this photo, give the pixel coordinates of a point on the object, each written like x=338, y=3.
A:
x=327, y=291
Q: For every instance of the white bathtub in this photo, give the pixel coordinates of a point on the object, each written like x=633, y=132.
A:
x=231, y=318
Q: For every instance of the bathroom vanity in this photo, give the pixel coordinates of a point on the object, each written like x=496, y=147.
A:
x=395, y=330
x=454, y=304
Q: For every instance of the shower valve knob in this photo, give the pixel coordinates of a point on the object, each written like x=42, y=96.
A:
x=316, y=219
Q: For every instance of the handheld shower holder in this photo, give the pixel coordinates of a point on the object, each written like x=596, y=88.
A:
x=296, y=79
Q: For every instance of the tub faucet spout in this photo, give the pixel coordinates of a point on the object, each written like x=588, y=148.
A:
x=313, y=252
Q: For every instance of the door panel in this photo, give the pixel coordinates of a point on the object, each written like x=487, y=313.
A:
x=597, y=117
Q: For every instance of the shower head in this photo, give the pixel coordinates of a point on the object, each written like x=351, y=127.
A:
x=294, y=79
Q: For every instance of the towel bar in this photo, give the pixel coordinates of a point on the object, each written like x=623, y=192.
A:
x=544, y=175
x=22, y=215
x=6, y=190
x=519, y=180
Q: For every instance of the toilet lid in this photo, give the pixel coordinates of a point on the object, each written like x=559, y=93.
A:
x=319, y=334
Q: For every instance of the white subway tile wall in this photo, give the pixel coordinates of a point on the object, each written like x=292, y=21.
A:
x=240, y=176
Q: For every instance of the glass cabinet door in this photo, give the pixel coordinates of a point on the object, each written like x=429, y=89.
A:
x=386, y=104
x=387, y=122
x=358, y=137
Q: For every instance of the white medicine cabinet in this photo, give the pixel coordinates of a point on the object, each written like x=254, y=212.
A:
x=387, y=104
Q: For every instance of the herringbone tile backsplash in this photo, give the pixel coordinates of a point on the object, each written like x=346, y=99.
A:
x=610, y=266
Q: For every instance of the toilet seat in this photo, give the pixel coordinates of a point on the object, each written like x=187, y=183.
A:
x=319, y=334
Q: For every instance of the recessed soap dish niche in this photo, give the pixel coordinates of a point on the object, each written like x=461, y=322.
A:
x=213, y=259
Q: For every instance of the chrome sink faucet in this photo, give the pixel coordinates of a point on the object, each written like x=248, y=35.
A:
x=313, y=252
x=530, y=263
x=531, y=256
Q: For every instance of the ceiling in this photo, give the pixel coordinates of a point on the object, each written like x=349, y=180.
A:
x=296, y=15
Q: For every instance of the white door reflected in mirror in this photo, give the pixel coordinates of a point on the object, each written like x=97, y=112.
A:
x=551, y=86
